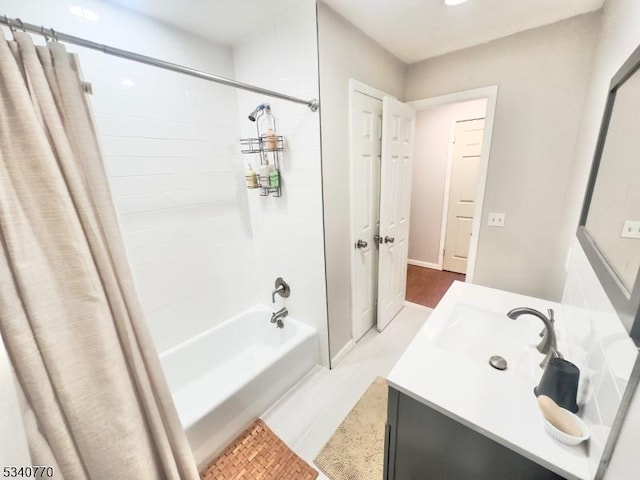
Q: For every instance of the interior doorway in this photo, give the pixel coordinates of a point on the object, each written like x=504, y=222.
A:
x=459, y=208
x=451, y=156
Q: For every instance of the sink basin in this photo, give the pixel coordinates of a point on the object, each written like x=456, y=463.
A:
x=477, y=334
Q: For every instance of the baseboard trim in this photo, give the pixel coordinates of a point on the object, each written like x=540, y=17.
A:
x=417, y=306
x=342, y=353
x=420, y=263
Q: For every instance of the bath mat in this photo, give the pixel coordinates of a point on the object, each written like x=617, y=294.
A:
x=258, y=454
x=356, y=449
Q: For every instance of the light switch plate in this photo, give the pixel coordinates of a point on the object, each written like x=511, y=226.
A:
x=496, y=220
x=631, y=229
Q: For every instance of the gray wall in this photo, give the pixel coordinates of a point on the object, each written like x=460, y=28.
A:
x=619, y=37
x=542, y=76
x=344, y=53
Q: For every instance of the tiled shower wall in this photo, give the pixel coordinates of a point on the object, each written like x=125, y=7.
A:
x=170, y=144
x=288, y=231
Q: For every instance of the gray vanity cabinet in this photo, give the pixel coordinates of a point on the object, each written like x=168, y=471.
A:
x=424, y=444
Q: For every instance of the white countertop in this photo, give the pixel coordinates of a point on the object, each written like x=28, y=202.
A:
x=498, y=404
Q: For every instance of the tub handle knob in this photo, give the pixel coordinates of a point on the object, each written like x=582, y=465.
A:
x=282, y=289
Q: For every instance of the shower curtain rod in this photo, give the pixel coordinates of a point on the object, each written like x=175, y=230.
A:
x=50, y=33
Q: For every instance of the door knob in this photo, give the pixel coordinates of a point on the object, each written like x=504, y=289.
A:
x=389, y=239
x=361, y=244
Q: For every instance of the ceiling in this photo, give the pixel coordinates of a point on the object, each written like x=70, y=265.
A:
x=417, y=29
x=410, y=29
x=223, y=21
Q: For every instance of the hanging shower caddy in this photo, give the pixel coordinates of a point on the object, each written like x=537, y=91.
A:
x=268, y=145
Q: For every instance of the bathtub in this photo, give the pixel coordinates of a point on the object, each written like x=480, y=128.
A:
x=224, y=378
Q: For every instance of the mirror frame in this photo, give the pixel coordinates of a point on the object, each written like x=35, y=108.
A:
x=627, y=307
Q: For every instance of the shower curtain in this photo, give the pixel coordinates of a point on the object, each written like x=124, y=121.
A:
x=95, y=401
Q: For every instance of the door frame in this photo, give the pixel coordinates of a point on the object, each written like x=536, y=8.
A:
x=491, y=94
x=363, y=88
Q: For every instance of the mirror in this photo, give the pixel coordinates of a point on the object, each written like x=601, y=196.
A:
x=609, y=228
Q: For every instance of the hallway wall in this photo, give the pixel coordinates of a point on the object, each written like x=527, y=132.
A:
x=542, y=76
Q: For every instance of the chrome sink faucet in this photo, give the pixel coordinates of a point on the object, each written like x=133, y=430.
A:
x=548, y=345
x=277, y=317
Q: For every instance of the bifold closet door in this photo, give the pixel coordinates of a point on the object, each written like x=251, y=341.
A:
x=398, y=127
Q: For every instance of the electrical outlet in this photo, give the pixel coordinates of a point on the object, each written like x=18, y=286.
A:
x=496, y=220
x=631, y=229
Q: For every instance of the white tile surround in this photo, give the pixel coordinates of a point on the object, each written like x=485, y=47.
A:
x=174, y=169
x=602, y=349
x=307, y=416
x=288, y=234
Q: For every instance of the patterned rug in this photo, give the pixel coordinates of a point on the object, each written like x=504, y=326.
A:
x=258, y=454
x=356, y=449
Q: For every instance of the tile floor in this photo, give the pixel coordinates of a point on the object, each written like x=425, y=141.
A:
x=306, y=417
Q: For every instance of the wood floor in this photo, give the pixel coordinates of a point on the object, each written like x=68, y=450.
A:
x=426, y=286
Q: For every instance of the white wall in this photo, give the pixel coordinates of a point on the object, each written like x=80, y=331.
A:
x=620, y=35
x=345, y=53
x=288, y=231
x=170, y=144
x=433, y=142
x=542, y=78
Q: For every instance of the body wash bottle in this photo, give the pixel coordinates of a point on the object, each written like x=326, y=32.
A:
x=264, y=171
x=274, y=178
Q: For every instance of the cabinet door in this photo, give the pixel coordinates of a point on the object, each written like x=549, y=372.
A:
x=428, y=444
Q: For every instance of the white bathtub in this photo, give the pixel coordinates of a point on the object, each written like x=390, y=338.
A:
x=226, y=377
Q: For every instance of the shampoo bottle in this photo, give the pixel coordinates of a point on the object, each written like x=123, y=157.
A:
x=267, y=125
x=250, y=177
x=270, y=141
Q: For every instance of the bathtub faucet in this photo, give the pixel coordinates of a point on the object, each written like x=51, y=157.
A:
x=277, y=317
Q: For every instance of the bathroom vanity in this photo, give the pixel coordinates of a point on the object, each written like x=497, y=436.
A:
x=452, y=415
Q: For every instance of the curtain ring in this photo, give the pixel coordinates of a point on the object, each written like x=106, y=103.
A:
x=54, y=35
x=21, y=25
x=43, y=32
x=9, y=24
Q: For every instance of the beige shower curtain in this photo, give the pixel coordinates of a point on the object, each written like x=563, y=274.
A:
x=96, y=404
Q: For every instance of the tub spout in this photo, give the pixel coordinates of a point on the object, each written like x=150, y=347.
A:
x=277, y=317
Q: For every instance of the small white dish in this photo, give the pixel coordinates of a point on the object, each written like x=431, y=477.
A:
x=565, y=438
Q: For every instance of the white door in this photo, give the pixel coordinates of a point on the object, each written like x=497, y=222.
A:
x=398, y=126
x=366, y=131
x=462, y=192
